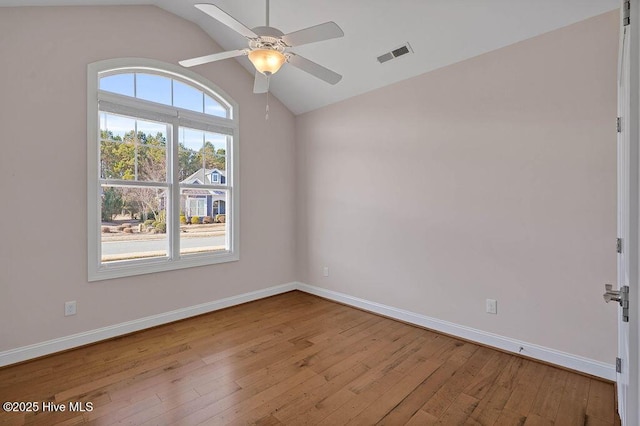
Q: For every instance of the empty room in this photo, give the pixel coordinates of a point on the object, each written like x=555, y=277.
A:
x=304, y=212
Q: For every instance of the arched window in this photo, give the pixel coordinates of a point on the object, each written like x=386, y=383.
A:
x=157, y=134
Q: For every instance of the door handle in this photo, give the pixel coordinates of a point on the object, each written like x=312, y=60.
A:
x=611, y=294
x=621, y=296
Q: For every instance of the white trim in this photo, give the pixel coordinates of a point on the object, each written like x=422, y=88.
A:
x=633, y=391
x=24, y=353
x=627, y=165
x=574, y=362
x=161, y=264
x=541, y=353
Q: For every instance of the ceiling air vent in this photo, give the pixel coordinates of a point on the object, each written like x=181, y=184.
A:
x=397, y=52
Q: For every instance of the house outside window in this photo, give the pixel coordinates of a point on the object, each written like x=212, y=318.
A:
x=155, y=130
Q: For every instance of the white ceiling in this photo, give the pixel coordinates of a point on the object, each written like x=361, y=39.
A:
x=441, y=32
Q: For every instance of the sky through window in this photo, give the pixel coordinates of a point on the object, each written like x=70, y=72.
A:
x=163, y=90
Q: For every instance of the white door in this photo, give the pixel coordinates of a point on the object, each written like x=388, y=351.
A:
x=627, y=184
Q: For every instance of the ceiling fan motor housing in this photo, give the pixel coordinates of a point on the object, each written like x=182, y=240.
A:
x=269, y=38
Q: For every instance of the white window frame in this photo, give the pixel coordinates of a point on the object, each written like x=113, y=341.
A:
x=111, y=102
x=217, y=177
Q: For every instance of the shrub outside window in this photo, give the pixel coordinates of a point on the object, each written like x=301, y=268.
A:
x=159, y=138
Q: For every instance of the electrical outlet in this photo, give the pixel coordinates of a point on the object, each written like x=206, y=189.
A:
x=492, y=306
x=69, y=308
x=325, y=271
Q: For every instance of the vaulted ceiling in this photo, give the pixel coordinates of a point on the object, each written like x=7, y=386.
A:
x=440, y=32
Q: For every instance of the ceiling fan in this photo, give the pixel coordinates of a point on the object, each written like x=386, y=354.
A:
x=269, y=47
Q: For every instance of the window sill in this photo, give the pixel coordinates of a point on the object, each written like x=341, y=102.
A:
x=150, y=266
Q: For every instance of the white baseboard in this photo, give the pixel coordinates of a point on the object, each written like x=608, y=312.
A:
x=563, y=359
x=25, y=353
x=574, y=362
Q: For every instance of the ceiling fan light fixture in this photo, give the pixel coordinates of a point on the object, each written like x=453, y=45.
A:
x=267, y=61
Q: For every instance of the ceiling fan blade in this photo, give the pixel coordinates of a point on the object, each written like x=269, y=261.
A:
x=212, y=58
x=321, y=32
x=314, y=69
x=220, y=15
x=261, y=83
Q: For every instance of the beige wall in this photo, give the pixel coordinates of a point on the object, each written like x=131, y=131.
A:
x=491, y=178
x=44, y=54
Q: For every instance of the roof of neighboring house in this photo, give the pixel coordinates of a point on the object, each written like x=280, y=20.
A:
x=203, y=176
x=205, y=192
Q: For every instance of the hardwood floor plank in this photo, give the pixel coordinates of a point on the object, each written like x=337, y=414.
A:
x=154, y=384
x=453, y=385
x=371, y=385
x=229, y=408
x=487, y=376
x=394, y=395
x=491, y=407
x=526, y=388
x=265, y=421
x=548, y=398
x=536, y=420
x=420, y=418
x=12, y=419
x=594, y=421
x=298, y=359
x=510, y=418
x=156, y=410
x=314, y=405
x=333, y=355
x=425, y=390
x=401, y=344
x=601, y=398
x=573, y=403
x=327, y=404
x=459, y=411
x=306, y=357
x=496, y=395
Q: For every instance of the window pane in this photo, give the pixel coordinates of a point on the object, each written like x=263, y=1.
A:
x=132, y=149
x=153, y=88
x=119, y=83
x=152, y=164
x=213, y=107
x=151, y=152
x=117, y=160
x=117, y=147
x=187, y=97
x=198, y=159
x=191, y=139
x=188, y=163
x=203, y=221
x=115, y=127
x=215, y=151
x=133, y=224
x=189, y=153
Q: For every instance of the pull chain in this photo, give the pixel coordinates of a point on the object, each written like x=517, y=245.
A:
x=266, y=116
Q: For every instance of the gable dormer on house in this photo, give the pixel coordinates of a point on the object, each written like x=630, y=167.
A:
x=218, y=177
x=207, y=177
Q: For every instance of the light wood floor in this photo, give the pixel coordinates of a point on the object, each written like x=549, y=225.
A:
x=298, y=359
